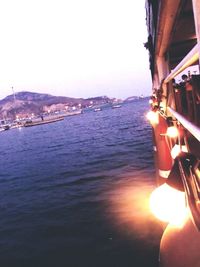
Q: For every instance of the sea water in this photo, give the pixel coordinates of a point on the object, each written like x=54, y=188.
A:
x=75, y=193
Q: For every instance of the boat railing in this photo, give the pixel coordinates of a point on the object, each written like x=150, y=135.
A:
x=187, y=61
x=193, y=129
x=191, y=58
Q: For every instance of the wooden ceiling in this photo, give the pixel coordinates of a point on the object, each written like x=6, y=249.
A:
x=183, y=36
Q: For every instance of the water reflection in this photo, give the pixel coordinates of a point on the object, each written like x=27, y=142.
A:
x=129, y=208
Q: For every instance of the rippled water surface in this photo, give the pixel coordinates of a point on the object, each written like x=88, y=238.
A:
x=75, y=193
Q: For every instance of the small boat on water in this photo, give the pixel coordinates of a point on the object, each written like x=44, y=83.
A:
x=116, y=106
x=97, y=109
x=4, y=127
x=71, y=113
x=174, y=51
x=30, y=123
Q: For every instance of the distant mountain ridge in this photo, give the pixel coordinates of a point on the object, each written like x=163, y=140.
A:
x=30, y=96
x=26, y=103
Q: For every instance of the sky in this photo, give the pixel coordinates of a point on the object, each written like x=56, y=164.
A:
x=75, y=48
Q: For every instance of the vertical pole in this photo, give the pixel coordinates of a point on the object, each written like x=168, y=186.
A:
x=163, y=71
x=14, y=98
x=196, y=11
x=163, y=68
x=156, y=83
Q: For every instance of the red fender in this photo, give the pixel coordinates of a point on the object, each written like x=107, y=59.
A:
x=162, y=151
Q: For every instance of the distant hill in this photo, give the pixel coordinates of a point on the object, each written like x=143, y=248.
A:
x=26, y=103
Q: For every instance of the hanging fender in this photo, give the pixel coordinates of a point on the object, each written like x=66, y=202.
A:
x=162, y=150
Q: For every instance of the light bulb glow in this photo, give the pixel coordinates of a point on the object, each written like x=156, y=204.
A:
x=172, y=132
x=177, y=149
x=169, y=205
x=152, y=116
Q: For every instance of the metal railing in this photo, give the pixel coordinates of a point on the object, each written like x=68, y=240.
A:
x=193, y=129
x=187, y=61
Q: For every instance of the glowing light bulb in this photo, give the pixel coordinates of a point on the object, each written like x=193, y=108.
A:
x=168, y=205
x=152, y=116
x=172, y=131
x=176, y=150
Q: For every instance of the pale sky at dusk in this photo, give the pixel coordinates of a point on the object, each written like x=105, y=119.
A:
x=75, y=48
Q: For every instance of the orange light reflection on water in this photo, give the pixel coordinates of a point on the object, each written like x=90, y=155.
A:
x=130, y=211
